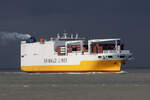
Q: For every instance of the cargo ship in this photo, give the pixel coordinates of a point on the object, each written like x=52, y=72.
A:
x=73, y=54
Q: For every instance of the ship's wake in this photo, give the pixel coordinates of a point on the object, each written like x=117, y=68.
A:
x=121, y=72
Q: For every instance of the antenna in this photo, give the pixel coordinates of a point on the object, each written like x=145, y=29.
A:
x=71, y=36
x=58, y=36
x=64, y=30
x=76, y=35
x=65, y=34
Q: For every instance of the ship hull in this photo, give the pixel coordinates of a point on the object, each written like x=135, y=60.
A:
x=84, y=66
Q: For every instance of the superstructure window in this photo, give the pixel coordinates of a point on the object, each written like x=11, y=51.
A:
x=74, y=49
x=99, y=56
x=122, y=56
x=110, y=56
x=129, y=56
x=62, y=48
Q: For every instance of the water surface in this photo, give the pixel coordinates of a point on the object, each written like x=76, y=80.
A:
x=132, y=84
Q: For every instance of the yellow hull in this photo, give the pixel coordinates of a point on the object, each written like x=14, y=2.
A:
x=84, y=66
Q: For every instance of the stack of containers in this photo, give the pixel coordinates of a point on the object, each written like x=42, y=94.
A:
x=69, y=49
x=58, y=49
x=78, y=47
x=85, y=50
x=97, y=48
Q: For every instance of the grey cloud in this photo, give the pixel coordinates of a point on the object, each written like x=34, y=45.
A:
x=128, y=19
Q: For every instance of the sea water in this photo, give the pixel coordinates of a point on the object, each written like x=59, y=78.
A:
x=133, y=84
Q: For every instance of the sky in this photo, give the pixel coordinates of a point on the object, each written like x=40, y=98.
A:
x=127, y=19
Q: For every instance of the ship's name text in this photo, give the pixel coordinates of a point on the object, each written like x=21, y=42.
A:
x=55, y=60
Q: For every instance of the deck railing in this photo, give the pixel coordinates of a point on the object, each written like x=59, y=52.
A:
x=114, y=51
